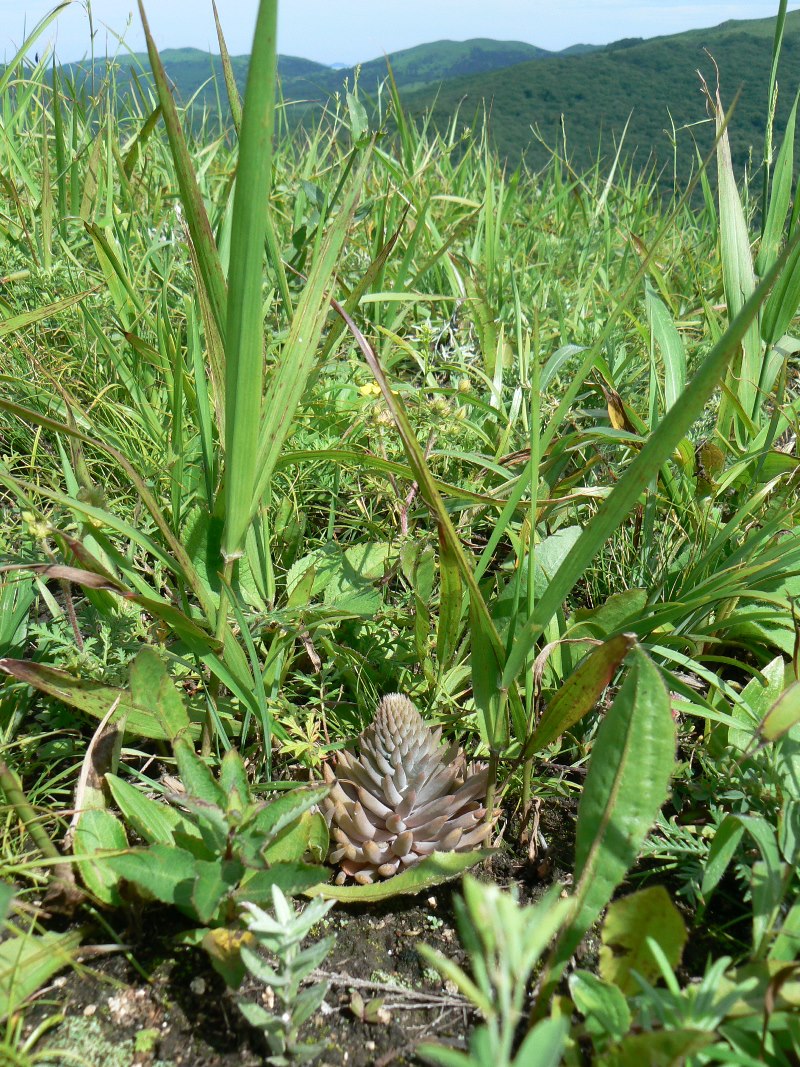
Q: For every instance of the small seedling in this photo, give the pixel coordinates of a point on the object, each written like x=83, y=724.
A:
x=282, y=936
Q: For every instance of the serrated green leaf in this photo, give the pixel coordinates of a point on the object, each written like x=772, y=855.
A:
x=233, y=781
x=198, y=781
x=279, y=813
x=152, y=820
x=151, y=686
x=96, y=833
x=163, y=871
x=308, y=835
x=290, y=878
x=214, y=880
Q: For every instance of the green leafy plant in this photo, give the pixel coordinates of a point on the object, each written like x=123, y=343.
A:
x=281, y=934
x=215, y=845
x=504, y=942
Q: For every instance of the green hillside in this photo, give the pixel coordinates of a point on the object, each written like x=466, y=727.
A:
x=655, y=82
x=426, y=65
x=430, y=64
x=651, y=84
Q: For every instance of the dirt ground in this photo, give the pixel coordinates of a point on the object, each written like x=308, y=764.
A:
x=162, y=1005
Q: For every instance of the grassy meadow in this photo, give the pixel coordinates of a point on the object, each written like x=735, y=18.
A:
x=291, y=420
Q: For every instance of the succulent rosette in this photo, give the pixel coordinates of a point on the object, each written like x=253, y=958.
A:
x=403, y=797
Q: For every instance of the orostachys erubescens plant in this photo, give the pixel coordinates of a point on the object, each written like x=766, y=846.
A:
x=403, y=797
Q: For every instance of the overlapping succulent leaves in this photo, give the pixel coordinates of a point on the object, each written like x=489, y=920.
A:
x=402, y=798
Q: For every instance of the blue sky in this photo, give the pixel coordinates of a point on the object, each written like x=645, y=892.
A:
x=347, y=31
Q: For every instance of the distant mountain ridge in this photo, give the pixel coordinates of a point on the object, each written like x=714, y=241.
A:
x=654, y=82
x=597, y=89
x=423, y=65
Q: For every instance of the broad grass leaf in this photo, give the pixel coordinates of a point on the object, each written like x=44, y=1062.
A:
x=151, y=686
x=631, y=765
x=723, y=848
x=767, y=883
x=451, y=602
x=628, y=924
x=91, y=697
x=756, y=700
x=544, y=1045
x=783, y=715
x=553, y=550
x=739, y=283
x=780, y=198
x=768, y=892
x=602, y=1002
x=28, y=961
x=210, y=269
x=14, y=323
x=244, y=329
x=786, y=945
x=670, y=344
x=487, y=669
x=227, y=70
x=781, y=306
x=433, y=870
x=581, y=691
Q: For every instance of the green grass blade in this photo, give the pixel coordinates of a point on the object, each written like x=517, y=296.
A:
x=738, y=277
x=227, y=70
x=244, y=346
x=490, y=694
x=669, y=342
x=780, y=197
x=642, y=472
x=191, y=197
x=300, y=350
